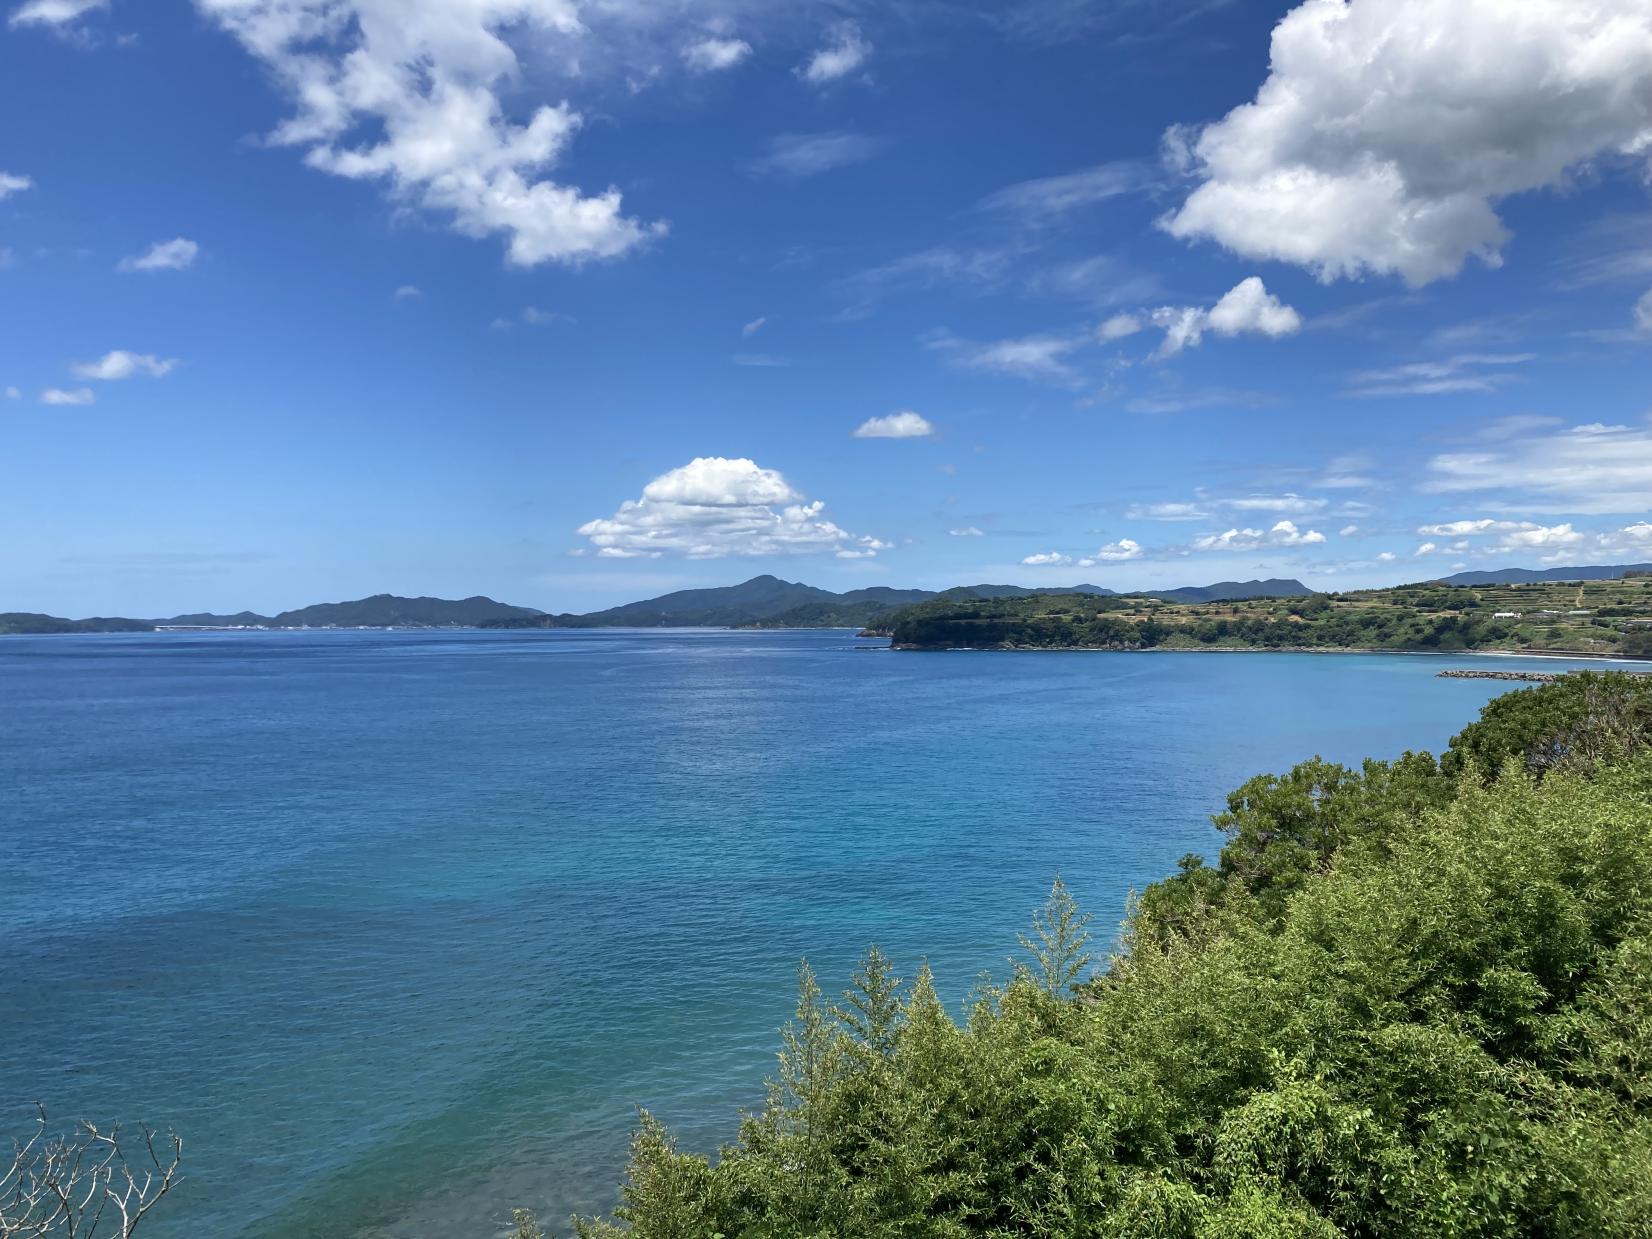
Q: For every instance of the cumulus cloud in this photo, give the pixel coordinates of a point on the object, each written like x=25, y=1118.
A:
x=798, y=156
x=1248, y=308
x=1388, y=130
x=423, y=77
x=68, y=396
x=1538, y=536
x=711, y=55
x=120, y=364
x=1284, y=533
x=53, y=13
x=1117, y=552
x=842, y=56
x=903, y=425
x=173, y=255
x=1387, y=557
x=714, y=507
x=11, y=183
x=1585, y=469
x=1470, y=528
x=1427, y=548
x=1047, y=559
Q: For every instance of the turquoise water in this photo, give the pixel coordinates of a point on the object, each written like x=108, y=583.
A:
x=400, y=928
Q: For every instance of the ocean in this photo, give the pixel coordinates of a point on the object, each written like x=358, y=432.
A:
x=401, y=929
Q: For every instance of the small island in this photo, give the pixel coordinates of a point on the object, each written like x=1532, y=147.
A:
x=1574, y=619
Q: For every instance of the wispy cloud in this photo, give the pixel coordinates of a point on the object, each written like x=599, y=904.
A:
x=1466, y=372
x=120, y=364
x=12, y=183
x=174, y=255
x=846, y=52
x=1038, y=357
x=1592, y=468
x=798, y=156
x=68, y=396
x=713, y=54
x=53, y=13
x=1049, y=198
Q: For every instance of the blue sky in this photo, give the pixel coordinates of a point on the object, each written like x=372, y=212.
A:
x=576, y=301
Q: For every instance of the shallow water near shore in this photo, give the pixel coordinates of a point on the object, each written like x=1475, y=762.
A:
x=400, y=928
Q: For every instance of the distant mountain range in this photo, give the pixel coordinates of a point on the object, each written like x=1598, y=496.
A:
x=762, y=602
x=1528, y=576
x=379, y=611
x=768, y=602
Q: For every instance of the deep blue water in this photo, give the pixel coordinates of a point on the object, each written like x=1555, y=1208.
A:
x=400, y=928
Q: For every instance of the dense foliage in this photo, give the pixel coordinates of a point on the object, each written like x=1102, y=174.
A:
x=1413, y=999
x=1424, y=618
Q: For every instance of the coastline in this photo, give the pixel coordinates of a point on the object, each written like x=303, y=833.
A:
x=1545, y=655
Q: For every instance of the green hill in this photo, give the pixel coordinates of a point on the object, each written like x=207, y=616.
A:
x=22, y=622
x=1593, y=617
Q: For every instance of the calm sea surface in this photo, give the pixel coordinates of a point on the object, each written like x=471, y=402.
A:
x=399, y=929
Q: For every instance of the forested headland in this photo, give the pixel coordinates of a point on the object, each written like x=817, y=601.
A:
x=1593, y=618
x=1408, y=999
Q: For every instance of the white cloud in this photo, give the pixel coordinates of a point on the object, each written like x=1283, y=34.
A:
x=753, y=327
x=424, y=77
x=120, y=364
x=1587, y=469
x=408, y=292
x=1461, y=529
x=1643, y=310
x=1029, y=357
x=1047, y=559
x=535, y=317
x=842, y=56
x=1118, y=327
x=1166, y=512
x=1388, y=130
x=714, y=507
x=1051, y=197
x=53, y=12
x=1248, y=308
x=798, y=156
x=1348, y=531
x=11, y=183
x=1117, y=552
x=1284, y=533
x=69, y=396
x=1541, y=536
x=1387, y=557
x=968, y=531
x=761, y=361
x=1427, y=548
x=173, y=255
x=1464, y=373
x=710, y=55
x=14, y=393
x=1294, y=504
x=902, y=425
